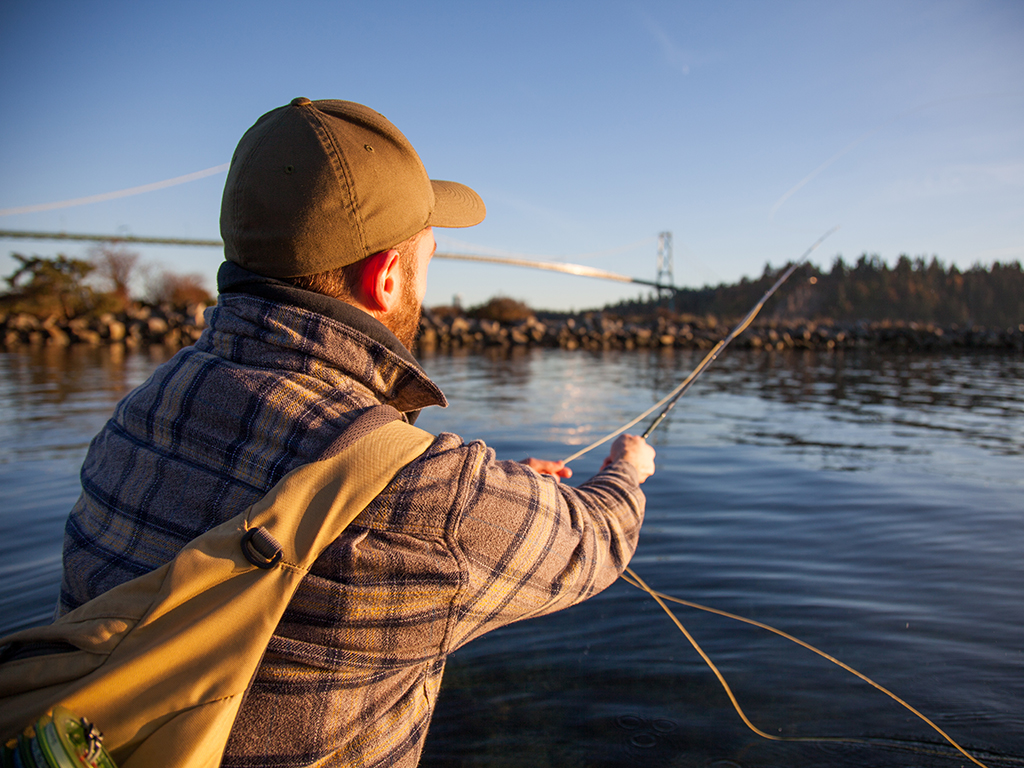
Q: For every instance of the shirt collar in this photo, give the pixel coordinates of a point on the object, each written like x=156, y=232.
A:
x=397, y=379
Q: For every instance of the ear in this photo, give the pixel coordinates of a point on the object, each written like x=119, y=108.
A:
x=381, y=281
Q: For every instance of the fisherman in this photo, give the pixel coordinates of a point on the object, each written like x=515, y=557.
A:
x=327, y=220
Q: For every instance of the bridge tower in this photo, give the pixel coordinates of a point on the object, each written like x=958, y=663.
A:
x=664, y=277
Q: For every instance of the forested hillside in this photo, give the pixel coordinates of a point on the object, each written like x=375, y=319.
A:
x=914, y=290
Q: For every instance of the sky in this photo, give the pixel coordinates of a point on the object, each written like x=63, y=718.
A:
x=746, y=129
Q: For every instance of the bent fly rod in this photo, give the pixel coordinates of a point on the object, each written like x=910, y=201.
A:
x=666, y=405
x=672, y=397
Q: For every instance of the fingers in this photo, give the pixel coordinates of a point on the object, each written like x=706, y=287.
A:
x=630, y=448
x=634, y=450
x=556, y=469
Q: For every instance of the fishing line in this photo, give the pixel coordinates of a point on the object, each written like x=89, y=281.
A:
x=672, y=397
x=666, y=404
x=659, y=597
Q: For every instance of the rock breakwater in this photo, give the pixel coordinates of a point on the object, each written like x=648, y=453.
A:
x=596, y=331
x=139, y=326
x=145, y=326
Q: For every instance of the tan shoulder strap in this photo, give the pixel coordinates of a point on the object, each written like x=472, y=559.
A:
x=173, y=651
x=310, y=507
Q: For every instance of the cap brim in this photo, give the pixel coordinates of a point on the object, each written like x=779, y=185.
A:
x=456, y=205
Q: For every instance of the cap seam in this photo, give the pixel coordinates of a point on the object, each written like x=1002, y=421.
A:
x=236, y=204
x=341, y=169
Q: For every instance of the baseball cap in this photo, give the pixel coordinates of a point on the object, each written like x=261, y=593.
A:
x=317, y=185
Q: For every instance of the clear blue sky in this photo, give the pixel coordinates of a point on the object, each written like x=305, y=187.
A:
x=746, y=129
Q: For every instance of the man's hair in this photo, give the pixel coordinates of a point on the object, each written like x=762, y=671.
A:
x=343, y=282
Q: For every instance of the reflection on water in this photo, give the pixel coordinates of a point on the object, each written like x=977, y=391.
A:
x=52, y=402
x=55, y=399
x=813, y=404
x=980, y=400
x=869, y=504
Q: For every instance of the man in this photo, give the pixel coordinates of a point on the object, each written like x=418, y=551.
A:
x=327, y=222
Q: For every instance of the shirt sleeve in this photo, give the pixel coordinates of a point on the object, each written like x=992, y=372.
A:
x=532, y=546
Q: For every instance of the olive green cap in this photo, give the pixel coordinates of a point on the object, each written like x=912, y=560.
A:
x=316, y=185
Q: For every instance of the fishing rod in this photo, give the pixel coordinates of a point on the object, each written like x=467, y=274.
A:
x=670, y=400
x=667, y=404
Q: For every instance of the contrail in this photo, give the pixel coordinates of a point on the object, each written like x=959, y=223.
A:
x=833, y=159
x=114, y=195
x=826, y=164
x=864, y=137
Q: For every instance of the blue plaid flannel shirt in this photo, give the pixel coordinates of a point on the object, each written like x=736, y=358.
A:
x=457, y=545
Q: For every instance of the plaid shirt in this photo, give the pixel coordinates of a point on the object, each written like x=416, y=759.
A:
x=457, y=545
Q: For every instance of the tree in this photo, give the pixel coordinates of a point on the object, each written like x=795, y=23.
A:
x=503, y=309
x=178, y=290
x=117, y=266
x=50, y=286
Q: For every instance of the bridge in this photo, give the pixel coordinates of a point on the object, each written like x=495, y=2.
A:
x=663, y=282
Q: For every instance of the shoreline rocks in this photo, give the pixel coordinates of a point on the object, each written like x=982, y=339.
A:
x=143, y=326
x=596, y=331
x=136, y=327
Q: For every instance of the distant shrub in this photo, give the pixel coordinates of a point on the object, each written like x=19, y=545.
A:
x=503, y=309
x=177, y=290
x=445, y=312
x=116, y=266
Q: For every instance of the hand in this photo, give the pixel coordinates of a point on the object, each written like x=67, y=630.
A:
x=635, y=451
x=556, y=469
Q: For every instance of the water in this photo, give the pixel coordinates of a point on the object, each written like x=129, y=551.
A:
x=868, y=504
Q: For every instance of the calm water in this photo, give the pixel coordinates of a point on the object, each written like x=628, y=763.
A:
x=870, y=505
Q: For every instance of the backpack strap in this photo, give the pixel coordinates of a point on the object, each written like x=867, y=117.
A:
x=312, y=505
x=363, y=424
x=164, y=659
x=259, y=545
